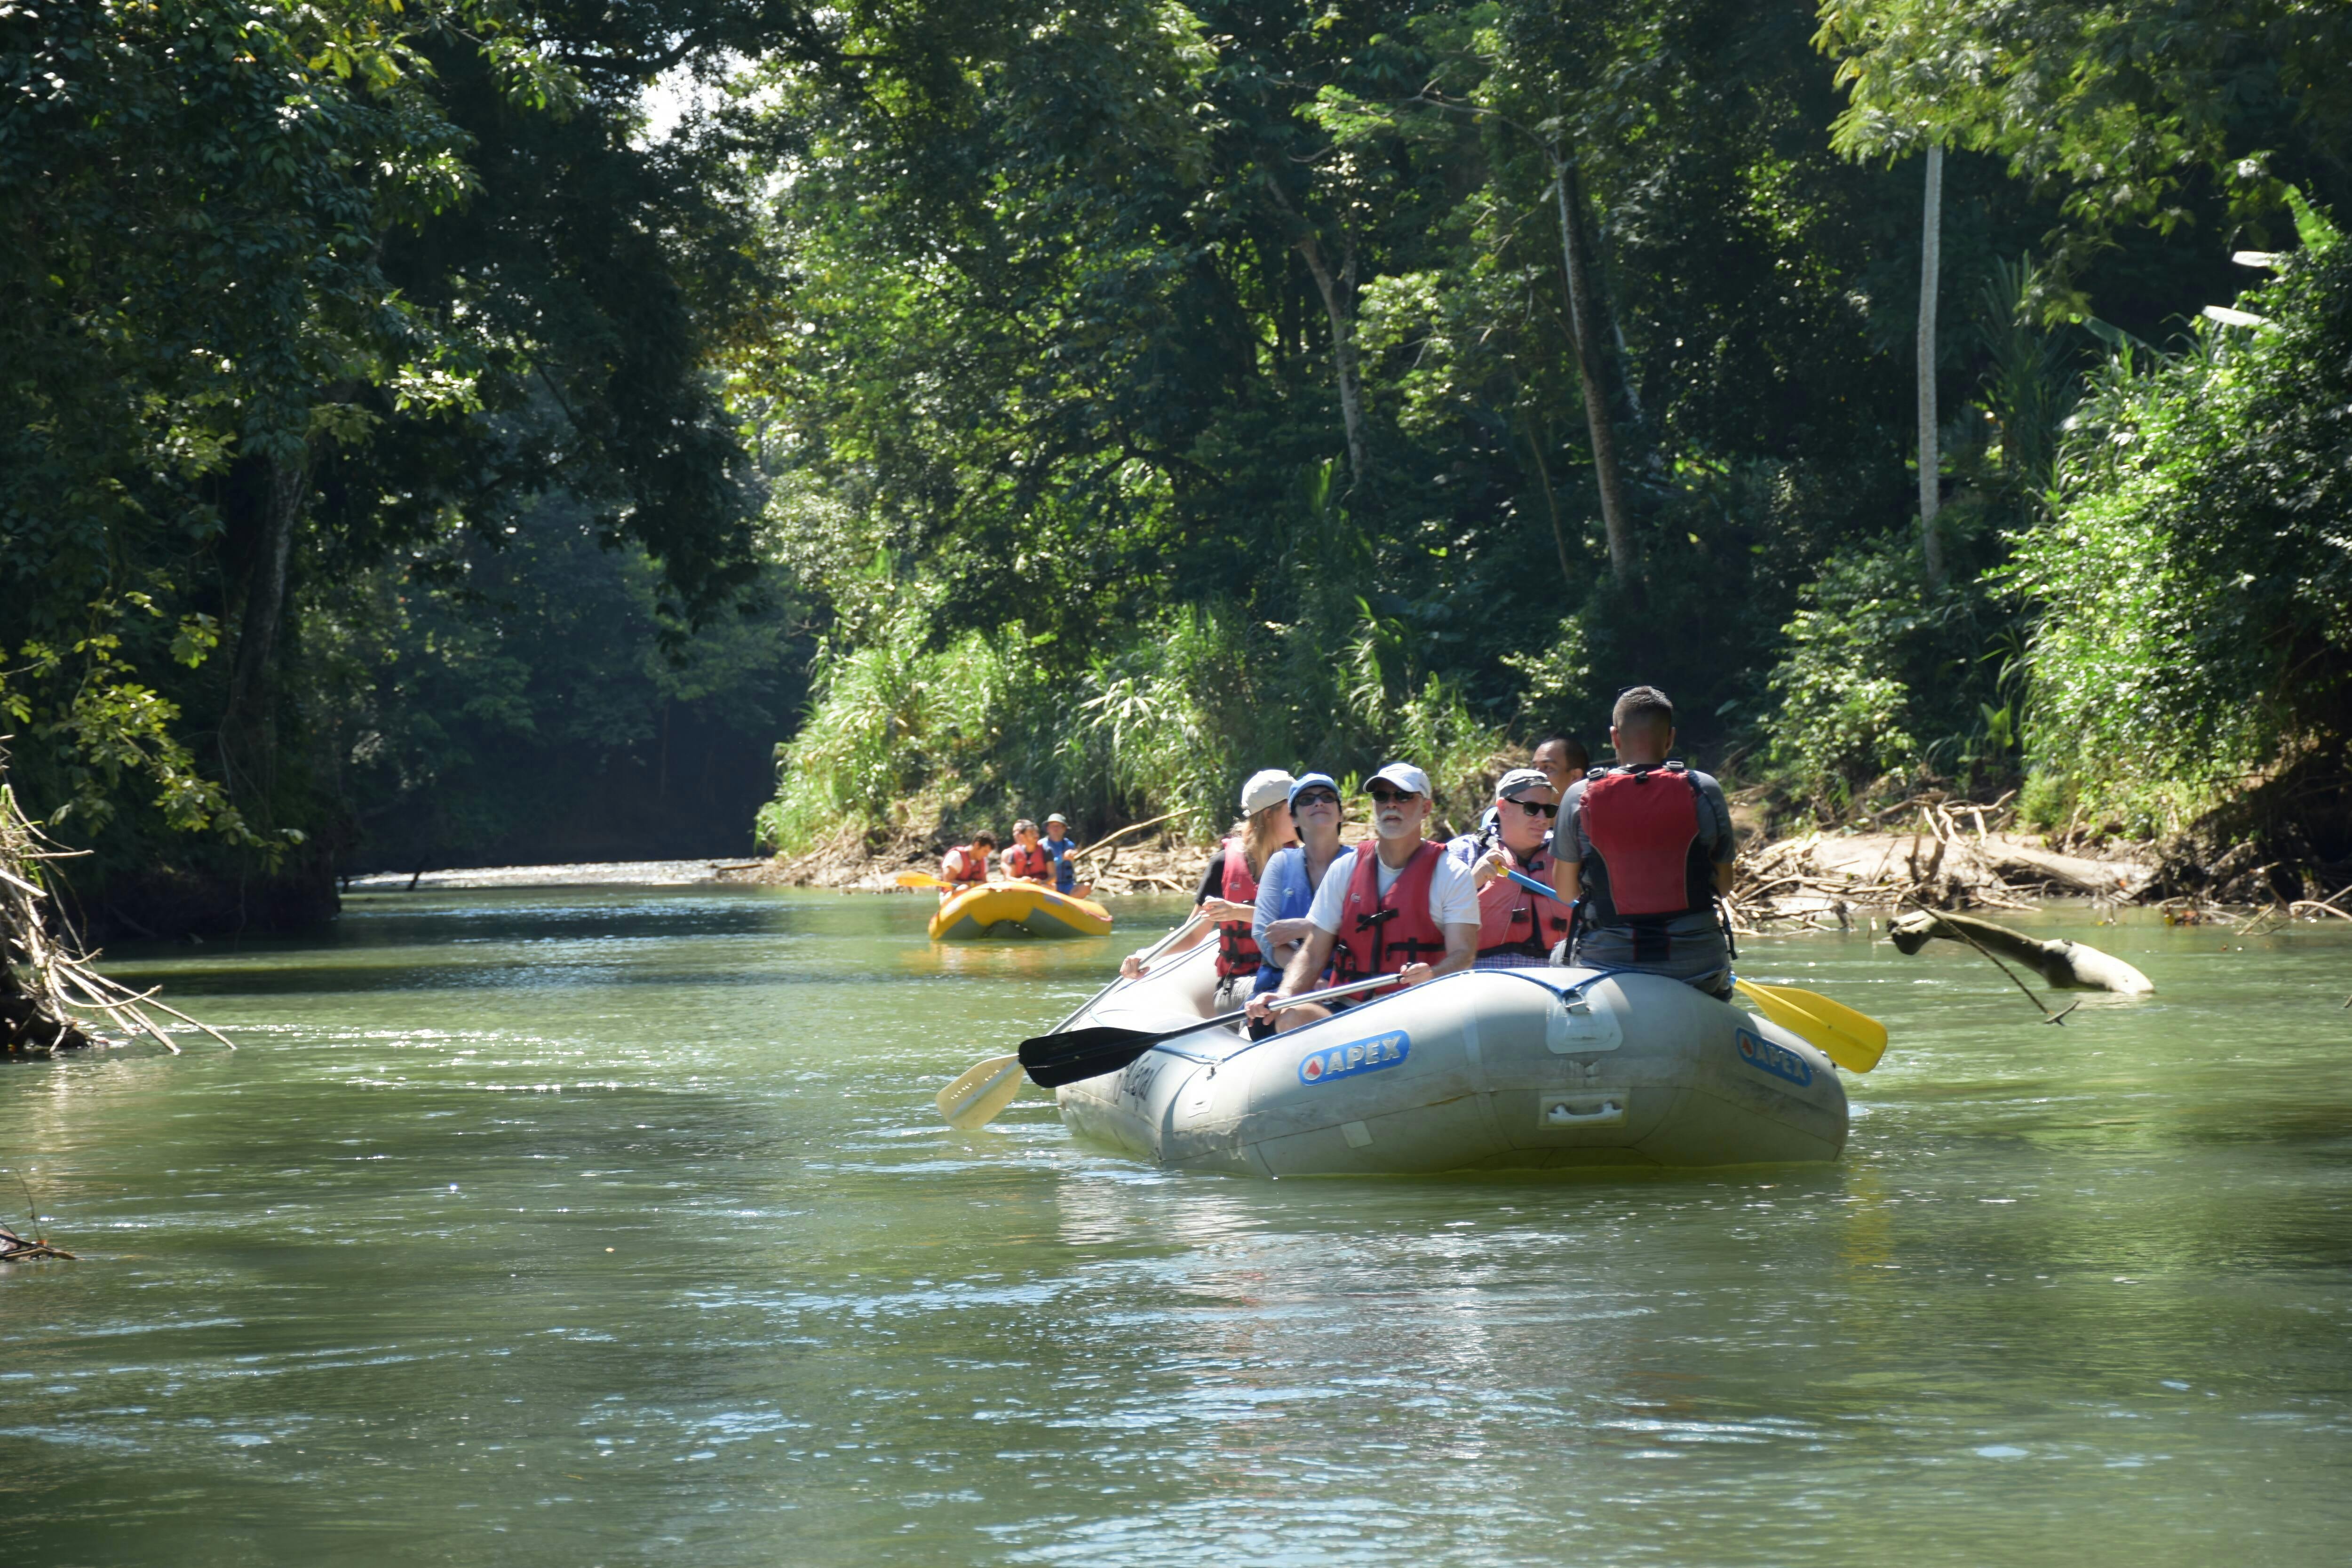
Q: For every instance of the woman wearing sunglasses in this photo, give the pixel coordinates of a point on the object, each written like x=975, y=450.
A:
x=1516, y=926
x=1288, y=888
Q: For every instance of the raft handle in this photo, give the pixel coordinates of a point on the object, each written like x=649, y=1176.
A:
x=1555, y=1111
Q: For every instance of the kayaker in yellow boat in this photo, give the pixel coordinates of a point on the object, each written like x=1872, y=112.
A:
x=1062, y=847
x=1027, y=861
x=966, y=865
x=1227, y=899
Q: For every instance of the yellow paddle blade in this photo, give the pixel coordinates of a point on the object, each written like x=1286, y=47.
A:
x=918, y=880
x=1853, y=1040
x=1860, y=1028
x=974, y=1101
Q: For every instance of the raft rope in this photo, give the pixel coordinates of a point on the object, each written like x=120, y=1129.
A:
x=1213, y=1063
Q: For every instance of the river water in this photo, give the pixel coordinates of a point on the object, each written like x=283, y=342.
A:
x=581, y=1227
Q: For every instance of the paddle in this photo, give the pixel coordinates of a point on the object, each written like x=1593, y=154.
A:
x=980, y=1094
x=1056, y=1060
x=1853, y=1040
x=918, y=880
x=974, y=1100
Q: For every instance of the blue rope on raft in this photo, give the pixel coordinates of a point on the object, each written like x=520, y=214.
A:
x=1563, y=994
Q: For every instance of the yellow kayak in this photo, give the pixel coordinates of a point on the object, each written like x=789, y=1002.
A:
x=1016, y=909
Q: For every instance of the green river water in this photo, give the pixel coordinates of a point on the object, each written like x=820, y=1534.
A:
x=601, y=1227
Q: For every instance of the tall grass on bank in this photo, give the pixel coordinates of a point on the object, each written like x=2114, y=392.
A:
x=1170, y=719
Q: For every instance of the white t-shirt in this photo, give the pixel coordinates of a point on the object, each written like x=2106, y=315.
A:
x=1453, y=893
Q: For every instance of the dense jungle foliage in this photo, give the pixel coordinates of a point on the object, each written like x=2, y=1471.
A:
x=411, y=449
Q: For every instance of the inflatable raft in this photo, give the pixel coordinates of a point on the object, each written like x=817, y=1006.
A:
x=1491, y=1070
x=1016, y=909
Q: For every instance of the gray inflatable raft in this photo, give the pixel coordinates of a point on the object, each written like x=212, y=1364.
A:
x=1492, y=1070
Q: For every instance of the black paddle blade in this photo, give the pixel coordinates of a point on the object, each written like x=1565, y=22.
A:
x=1053, y=1061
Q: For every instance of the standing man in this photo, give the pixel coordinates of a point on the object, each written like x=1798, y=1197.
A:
x=1646, y=848
x=1397, y=905
x=1060, y=846
x=1518, y=927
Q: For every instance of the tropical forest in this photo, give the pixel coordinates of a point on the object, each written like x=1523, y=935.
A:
x=474, y=432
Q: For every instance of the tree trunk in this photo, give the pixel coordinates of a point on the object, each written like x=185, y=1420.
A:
x=1551, y=506
x=246, y=719
x=1337, y=302
x=1931, y=246
x=1622, y=566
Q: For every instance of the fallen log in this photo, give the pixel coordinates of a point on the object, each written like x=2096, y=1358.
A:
x=2068, y=965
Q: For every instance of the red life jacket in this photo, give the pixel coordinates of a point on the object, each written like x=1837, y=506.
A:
x=963, y=864
x=1237, y=951
x=1031, y=865
x=1381, y=935
x=1511, y=919
x=1647, y=862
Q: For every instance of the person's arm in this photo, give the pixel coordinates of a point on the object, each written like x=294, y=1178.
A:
x=1270, y=890
x=1453, y=905
x=1727, y=842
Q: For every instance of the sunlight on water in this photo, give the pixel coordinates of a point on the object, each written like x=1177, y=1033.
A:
x=573, y=1226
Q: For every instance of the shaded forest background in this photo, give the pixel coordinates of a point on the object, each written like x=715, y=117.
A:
x=413, y=452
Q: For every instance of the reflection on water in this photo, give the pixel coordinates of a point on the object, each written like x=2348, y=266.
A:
x=564, y=1228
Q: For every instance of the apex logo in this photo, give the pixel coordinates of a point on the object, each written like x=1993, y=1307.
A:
x=1777, y=1060
x=1357, y=1056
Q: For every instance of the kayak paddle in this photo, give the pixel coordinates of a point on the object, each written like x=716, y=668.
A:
x=974, y=1100
x=1056, y=1060
x=1853, y=1040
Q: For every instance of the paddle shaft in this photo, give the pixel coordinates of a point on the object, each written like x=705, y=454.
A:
x=1107, y=1048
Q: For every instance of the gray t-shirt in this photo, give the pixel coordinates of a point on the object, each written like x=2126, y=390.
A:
x=1714, y=831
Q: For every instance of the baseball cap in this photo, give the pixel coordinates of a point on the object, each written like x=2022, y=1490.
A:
x=1270, y=786
x=1308, y=781
x=1405, y=776
x=1517, y=779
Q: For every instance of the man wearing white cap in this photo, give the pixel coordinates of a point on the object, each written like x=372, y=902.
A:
x=1517, y=925
x=1228, y=897
x=1399, y=905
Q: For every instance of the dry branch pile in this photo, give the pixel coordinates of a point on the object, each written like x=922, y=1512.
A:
x=52, y=996
x=1951, y=859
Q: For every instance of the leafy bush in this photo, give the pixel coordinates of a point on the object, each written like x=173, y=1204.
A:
x=2195, y=581
x=1884, y=674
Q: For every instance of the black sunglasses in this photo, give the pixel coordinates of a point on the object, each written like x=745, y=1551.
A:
x=1535, y=809
x=1389, y=796
x=1315, y=797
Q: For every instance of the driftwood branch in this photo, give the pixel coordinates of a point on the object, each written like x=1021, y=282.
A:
x=2068, y=965
x=52, y=995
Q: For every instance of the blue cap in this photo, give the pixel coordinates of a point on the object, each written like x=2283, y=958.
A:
x=1309, y=780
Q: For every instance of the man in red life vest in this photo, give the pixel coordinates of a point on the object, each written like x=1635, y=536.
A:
x=1646, y=846
x=1399, y=905
x=966, y=865
x=1027, y=861
x=1517, y=927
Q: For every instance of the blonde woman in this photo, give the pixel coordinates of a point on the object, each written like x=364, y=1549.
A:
x=1228, y=896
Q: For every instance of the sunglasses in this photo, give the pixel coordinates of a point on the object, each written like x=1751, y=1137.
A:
x=1535, y=809
x=1389, y=796
x=1315, y=797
